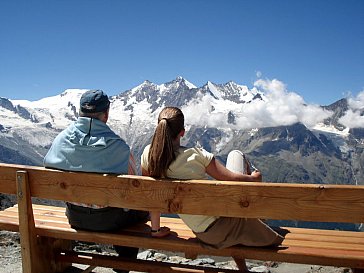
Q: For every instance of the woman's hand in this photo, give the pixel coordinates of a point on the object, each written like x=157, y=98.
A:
x=218, y=171
x=161, y=232
x=257, y=176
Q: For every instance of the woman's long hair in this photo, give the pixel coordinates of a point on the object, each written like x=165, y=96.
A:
x=161, y=152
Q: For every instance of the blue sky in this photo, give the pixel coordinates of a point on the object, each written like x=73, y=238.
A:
x=315, y=47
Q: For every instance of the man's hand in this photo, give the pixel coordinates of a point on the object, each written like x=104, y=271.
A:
x=161, y=232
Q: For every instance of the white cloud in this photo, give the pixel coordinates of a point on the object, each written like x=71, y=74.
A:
x=270, y=86
x=357, y=103
x=202, y=112
x=285, y=108
x=353, y=117
x=279, y=108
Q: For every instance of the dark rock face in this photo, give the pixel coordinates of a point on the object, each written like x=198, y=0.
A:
x=5, y=103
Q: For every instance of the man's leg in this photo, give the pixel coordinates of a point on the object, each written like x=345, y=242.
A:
x=130, y=218
x=106, y=219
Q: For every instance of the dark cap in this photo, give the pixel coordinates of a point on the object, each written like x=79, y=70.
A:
x=94, y=101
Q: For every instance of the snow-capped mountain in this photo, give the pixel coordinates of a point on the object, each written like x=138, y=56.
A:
x=286, y=138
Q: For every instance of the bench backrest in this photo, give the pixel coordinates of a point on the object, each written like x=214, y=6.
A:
x=307, y=202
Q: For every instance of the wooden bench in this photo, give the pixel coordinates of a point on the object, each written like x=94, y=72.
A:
x=46, y=235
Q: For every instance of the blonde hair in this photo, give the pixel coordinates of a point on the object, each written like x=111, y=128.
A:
x=161, y=152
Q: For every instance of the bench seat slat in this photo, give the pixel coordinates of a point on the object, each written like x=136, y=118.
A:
x=47, y=217
x=53, y=211
x=39, y=217
x=323, y=245
x=177, y=224
x=10, y=224
x=290, y=254
x=295, y=254
x=178, y=227
x=339, y=254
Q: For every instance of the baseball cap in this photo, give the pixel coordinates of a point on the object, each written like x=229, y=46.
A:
x=94, y=101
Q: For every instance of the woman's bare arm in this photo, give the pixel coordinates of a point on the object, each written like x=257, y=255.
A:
x=218, y=171
x=157, y=230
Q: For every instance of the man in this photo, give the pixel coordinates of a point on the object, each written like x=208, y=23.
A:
x=89, y=145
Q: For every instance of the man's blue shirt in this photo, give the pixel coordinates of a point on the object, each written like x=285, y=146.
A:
x=88, y=145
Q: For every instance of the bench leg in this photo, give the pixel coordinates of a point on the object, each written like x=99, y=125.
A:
x=191, y=255
x=48, y=250
x=240, y=262
x=37, y=252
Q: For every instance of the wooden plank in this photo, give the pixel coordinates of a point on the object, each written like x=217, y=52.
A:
x=49, y=208
x=38, y=217
x=178, y=227
x=51, y=211
x=294, y=254
x=177, y=223
x=8, y=178
x=135, y=265
x=319, y=241
x=297, y=254
x=323, y=240
x=338, y=203
x=324, y=244
x=39, y=207
x=9, y=224
x=337, y=233
x=326, y=238
x=290, y=253
x=29, y=251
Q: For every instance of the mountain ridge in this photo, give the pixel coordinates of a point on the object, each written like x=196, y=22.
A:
x=275, y=127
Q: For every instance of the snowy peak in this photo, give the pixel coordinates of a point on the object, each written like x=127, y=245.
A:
x=185, y=82
x=57, y=110
x=214, y=90
x=339, y=109
x=242, y=92
x=146, y=85
x=178, y=84
x=69, y=96
x=175, y=93
x=232, y=91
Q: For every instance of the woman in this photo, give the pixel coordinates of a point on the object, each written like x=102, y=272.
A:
x=166, y=158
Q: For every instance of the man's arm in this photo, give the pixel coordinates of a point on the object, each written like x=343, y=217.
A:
x=132, y=166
